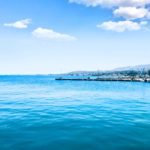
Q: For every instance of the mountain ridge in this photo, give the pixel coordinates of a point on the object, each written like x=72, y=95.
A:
x=138, y=68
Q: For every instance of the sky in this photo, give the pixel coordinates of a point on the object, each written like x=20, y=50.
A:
x=57, y=36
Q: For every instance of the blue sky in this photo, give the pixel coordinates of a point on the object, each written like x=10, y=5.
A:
x=55, y=36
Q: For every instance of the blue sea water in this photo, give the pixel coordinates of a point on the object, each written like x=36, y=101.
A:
x=39, y=113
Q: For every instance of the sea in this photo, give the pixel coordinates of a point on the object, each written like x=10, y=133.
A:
x=40, y=113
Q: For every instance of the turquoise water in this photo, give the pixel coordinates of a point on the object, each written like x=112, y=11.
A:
x=39, y=113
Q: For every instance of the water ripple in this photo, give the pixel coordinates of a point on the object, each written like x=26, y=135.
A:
x=37, y=112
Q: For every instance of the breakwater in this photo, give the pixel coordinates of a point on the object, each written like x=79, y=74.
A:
x=106, y=79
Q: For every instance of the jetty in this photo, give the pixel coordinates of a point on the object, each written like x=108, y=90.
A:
x=129, y=79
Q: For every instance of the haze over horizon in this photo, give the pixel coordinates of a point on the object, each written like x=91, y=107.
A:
x=70, y=35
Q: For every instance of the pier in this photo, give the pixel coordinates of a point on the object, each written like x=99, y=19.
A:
x=105, y=79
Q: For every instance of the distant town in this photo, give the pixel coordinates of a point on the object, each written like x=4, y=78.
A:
x=139, y=73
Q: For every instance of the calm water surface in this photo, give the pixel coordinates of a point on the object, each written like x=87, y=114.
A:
x=39, y=113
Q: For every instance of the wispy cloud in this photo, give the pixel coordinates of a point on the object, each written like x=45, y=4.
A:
x=131, y=12
x=112, y=3
x=21, y=24
x=51, y=35
x=121, y=26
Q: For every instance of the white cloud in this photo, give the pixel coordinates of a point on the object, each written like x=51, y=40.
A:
x=112, y=3
x=131, y=12
x=121, y=26
x=127, y=9
x=21, y=24
x=51, y=34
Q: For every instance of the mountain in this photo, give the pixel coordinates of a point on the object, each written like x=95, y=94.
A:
x=134, y=68
x=139, y=68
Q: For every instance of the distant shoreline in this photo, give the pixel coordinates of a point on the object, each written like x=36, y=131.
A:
x=105, y=79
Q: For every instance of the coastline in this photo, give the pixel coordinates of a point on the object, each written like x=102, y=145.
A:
x=105, y=79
